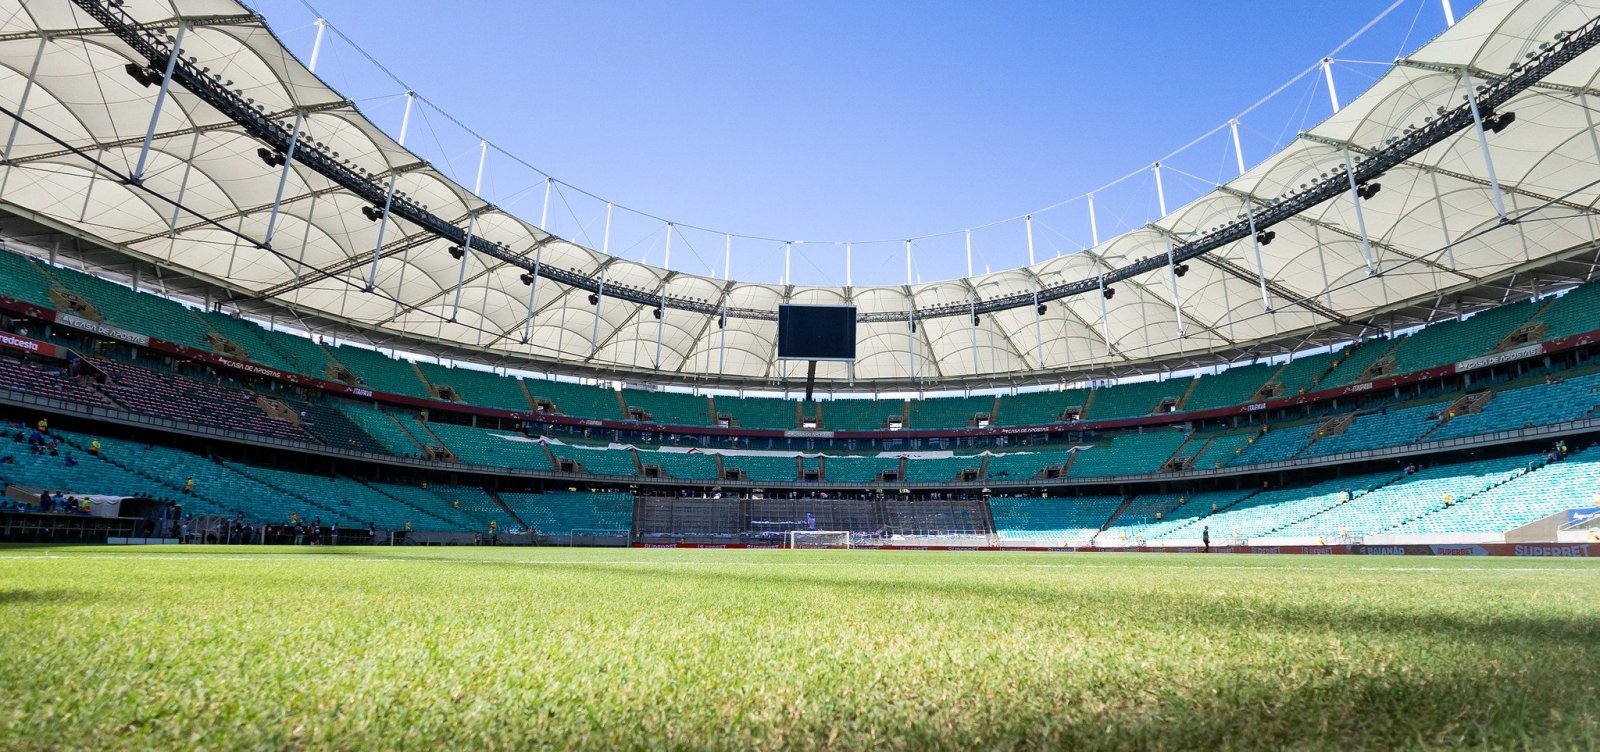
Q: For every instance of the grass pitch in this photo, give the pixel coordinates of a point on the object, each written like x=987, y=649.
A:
x=571, y=648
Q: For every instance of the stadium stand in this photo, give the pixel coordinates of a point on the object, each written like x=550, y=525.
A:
x=1408, y=498
x=762, y=468
x=249, y=337
x=1527, y=497
x=25, y=279
x=860, y=414
x=949, y=412
x=1233, y=386
x=137, y=311
x=562, y=512
x=1137, y=399
x=1038, y=408
x=1128, y=454
x=757, y=412
x=1303, y=374
x=1575, y=312
x=1071, y=518
x=382, y=427
x=1138, y=521
x=1354, y=361
x=201, y=402
x=577, y=399
x=477, y=387
x=1388, y=427
x=860, y=469
x=1025, y=465
x=491, y=448
x=1454, y=340
x=1277, y=444
x=669, y=408
x=1545, y=404
x=380, y=372
x=1270, y=510
x=596, y=461
x=1212, y=451
x=942, y=469
x=45, y=381
x=682, y=465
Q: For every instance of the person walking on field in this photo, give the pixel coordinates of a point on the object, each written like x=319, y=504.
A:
x=1205, y=538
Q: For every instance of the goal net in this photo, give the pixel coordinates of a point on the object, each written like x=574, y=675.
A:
x=817, y=539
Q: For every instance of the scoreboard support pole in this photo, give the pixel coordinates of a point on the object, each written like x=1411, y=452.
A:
x=811, y=378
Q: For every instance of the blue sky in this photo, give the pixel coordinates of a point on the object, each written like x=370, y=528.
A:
x=847, y=120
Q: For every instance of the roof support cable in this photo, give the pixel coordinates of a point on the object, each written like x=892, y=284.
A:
x=388, y=199
x=161, y=98
x=533, y=294
x=283, y=179
x=22, y=104
x=1172, y=275
x=1483, y=143
x=1444, y=221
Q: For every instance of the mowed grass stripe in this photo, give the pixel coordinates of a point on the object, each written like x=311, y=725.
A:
x=531, y=648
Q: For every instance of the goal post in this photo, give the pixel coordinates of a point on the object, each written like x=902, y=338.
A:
x=817, y=539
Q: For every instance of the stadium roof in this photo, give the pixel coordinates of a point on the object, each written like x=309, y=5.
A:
x=1434, y=230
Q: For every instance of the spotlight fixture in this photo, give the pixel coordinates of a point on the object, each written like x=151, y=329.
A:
x=722, y=321
x=527, y=279
x=372, y=212
x=594, y=298
x=976, y=318
x=1499, y=121
x=1109, y=292
x=657, y=312
x=1265, y=237
x=1368, y=190
x=1042, y=308
x=1180, y=269
x=271, y=158
x=457, y=252
x=143, y=74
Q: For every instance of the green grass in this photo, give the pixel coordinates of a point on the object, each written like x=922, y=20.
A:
x=570, y=648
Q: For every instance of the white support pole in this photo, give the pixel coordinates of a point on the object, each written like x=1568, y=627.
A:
x=908, y=262
x=1161, y=191
x=1105, y=316
x=283, y=179
x=969, y=249
x=1238, y=151
x=972, y=308
x=1172, y=275
x=183, y=188
x=1094, y=228
x=727, y=255
x=599, y=298
x=1449, y=14
x=605, y=240
x=533, y=296
x=161, y=98
x=1327, y=74
x=1444, y=223
x=22, y=104
x=722, y=347
x=1361, y=218
x=1483, y=143
x=788, y=250
x=472, y=226
x=388, y=199
x=847, y=252
x=1028, y=223
x=666, y=255
x=911, y=341
x=1255, y=242
x=544, y=212
x=316, y=45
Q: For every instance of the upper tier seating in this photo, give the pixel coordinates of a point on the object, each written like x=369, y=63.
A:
x=1024, y=465
x=24, y=279
x=335, y=428
x=1038, y=408
x=758, y=412
x=249, y=336
x=860, y=469
x=138, y=312
x=1544, y=404
x=206, y=403
x=1137, y=399
x=597, y=461
x=1576, y=312
x=478, y=387
x=577, y=399
x=860, y=414
x=940, y=470
x=1569, y=484
x=1056, y=521
x=1392, y=427
x=304, y=355
x=380, y=372
x=1408, y=498
x=1128, y=454
x=670, y=408
x=1302, y=374
x=561, y=513
x=479, y=446
x=682, y=465
x=1452, y=340
x=949, y=412
x=1354, y=361
x=763, y=468
x=1233, y=386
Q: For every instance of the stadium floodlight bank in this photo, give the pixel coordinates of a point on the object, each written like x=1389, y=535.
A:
x=817, y=539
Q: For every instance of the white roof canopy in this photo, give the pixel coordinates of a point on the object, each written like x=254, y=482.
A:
x=1314, y=275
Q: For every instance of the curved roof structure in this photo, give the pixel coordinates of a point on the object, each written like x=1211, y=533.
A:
x=203, y=207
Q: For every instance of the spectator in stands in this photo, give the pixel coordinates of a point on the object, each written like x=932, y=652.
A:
x=188, y=486
x=43, y=426
x=70, y=461
x=94, y=448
